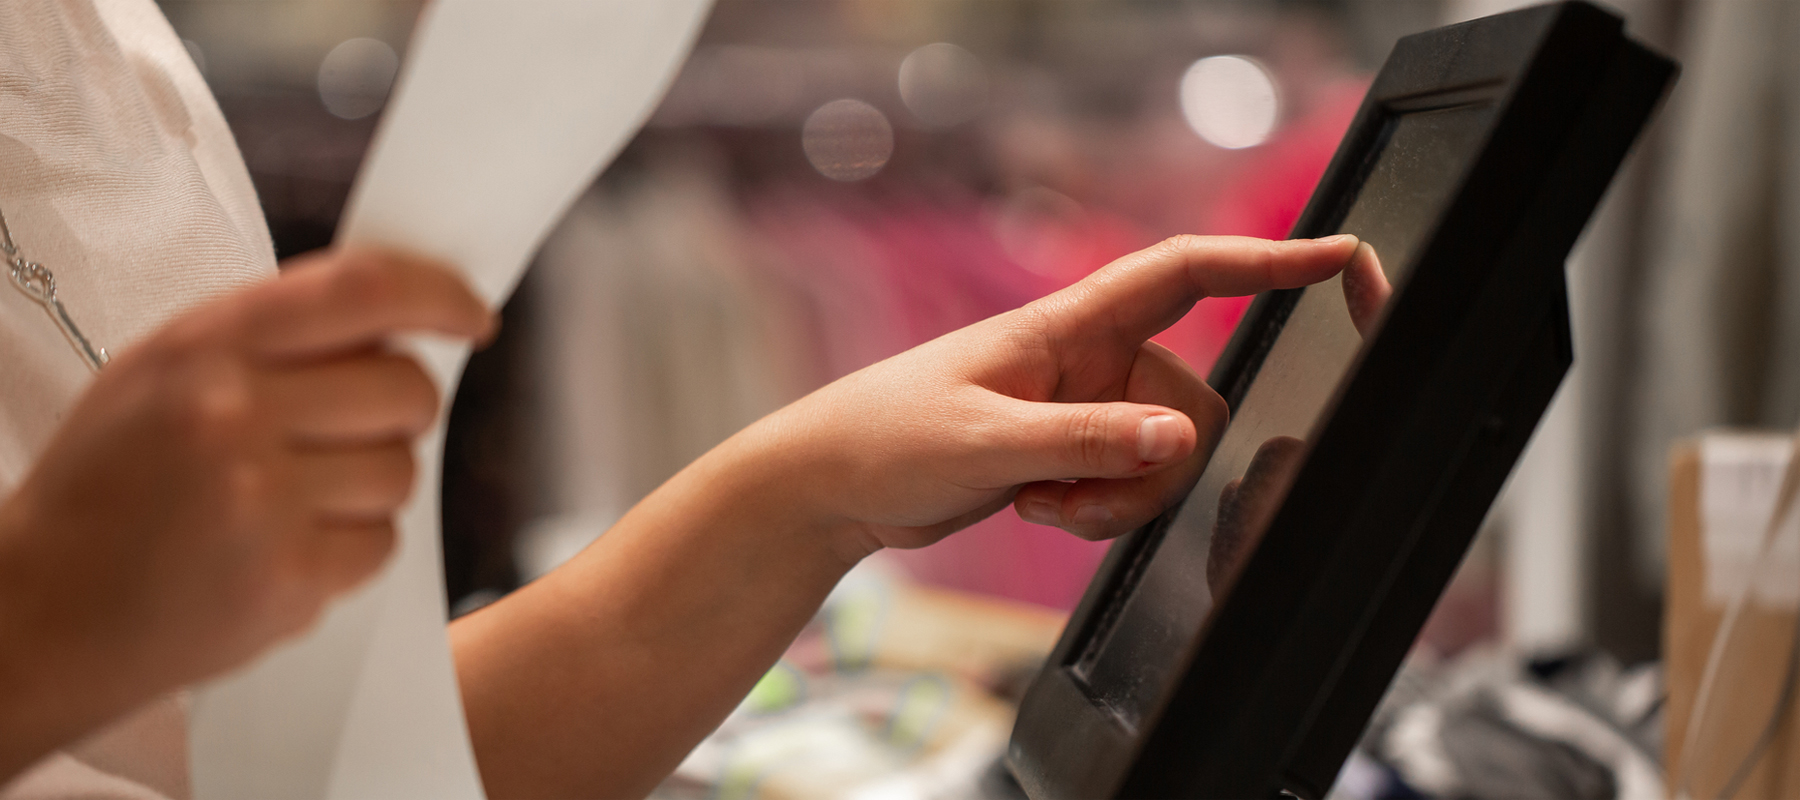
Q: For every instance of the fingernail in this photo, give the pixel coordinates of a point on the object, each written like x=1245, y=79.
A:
x=1158, y=438
x=1038, y=512
x=1092, y=515
x=1336, y=239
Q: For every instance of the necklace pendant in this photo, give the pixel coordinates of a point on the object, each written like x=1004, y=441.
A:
x=39, y=284
x=95, y=357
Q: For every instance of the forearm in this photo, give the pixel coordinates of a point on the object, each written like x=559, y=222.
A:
x=597, y=679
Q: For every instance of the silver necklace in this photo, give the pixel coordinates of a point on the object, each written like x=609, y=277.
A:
x=39, y=284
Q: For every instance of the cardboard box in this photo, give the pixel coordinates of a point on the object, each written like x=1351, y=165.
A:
x=1722, y=492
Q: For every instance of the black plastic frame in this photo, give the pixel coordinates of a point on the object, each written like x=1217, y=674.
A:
x=1281, y=681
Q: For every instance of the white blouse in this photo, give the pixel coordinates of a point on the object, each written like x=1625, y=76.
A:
x=118, y=173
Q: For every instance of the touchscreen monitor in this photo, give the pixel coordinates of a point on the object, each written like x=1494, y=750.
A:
x=1125, y=663
x=1236, y=647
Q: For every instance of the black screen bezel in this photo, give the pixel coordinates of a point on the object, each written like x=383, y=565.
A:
x=1282, y=678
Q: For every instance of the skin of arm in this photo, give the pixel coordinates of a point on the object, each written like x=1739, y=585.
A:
x=597, y=679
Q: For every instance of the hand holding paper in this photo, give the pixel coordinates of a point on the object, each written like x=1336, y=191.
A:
x=504, y=113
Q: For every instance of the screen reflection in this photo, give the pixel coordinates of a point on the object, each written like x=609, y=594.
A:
x=1127, y=663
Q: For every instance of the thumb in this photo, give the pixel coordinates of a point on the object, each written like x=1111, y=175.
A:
x=1064, y=441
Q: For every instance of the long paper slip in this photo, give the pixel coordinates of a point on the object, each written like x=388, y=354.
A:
x=505, y=112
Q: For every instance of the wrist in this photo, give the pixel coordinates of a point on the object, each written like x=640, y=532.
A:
x=795, y=479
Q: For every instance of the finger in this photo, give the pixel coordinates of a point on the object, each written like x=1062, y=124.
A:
x=1098, y=508
x=355, y=484
x=366, y=397
x=1048, y=441
x=1103, y=507
x=1139, y=295
x=351, y=299
x=345, y=554
x=1366, y=289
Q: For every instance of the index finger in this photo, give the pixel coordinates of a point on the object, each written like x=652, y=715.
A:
x=352, y=299
x=1138, y=296
x=1366, y=289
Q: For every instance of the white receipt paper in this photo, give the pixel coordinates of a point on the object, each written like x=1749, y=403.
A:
x=504, y=113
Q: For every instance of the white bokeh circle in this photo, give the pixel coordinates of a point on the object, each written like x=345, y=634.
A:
x=847, y=140
x=1230, y=101
x=355, y=77
x=943, y=85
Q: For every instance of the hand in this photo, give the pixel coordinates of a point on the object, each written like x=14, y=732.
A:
x=1062, y=408
x=217, y=484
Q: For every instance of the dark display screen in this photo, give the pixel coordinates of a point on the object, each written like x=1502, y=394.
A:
x=1129, y=659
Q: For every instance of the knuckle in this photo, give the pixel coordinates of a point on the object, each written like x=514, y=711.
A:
x=367, y=281
x=1268, y=259
x=1181, y=244
x=1271, y=254
x=214, y=408
x=1037, y=329
x=1030, y=324
x=1088, y=436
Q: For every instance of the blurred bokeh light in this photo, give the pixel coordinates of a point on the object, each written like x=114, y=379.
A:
x=355, y=77
x=1230, y=101
x=847, y=140
x=943, y=84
